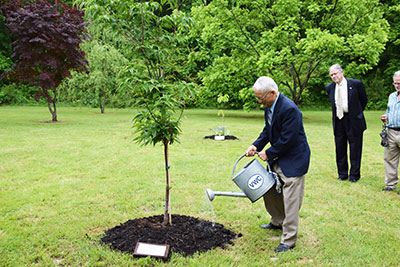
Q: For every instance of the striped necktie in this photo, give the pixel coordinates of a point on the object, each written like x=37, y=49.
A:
x=269, y=116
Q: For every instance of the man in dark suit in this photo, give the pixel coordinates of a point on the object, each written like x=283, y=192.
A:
x=348, y=98
x=288, y=155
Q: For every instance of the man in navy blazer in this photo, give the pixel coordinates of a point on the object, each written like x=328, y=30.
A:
x=288, y=155
x=348, y=98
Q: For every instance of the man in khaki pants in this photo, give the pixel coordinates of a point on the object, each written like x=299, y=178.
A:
x=288, y=155
x=392, y=151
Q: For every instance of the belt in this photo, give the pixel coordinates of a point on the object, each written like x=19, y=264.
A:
x=396, y=129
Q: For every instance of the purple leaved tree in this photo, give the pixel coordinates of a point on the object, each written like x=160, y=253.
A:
x=47, y=42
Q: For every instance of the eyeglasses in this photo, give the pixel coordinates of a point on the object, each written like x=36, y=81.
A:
x=263, y=97
x=396, y=84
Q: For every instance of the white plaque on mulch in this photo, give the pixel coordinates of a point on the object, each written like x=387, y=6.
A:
x=154, y=250
x=219, y=137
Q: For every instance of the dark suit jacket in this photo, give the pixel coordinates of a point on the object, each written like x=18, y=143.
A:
x=288, y=140
x=357, y=100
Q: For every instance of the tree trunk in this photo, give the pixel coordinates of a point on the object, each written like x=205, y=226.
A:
x=52, y=102
x=54, y=114
x=100, y=104
x=103, y=105
x=104, y=102
x=167, y=216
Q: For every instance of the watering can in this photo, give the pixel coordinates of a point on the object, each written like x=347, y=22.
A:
x=254, y=181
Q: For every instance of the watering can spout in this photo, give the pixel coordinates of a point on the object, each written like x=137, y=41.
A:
x=211, y=194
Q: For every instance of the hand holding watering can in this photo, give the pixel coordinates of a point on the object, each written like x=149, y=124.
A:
x=253, y=150
x=262, y=155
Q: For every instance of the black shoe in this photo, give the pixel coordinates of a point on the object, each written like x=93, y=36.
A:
x=342, y=178
x=270, y=226
x=283, y=247
x=387, y=188
x=353, y=180
x=398, y=192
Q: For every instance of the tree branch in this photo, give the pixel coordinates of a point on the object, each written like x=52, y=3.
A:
x=244, y=34
x=330, y=14
x=151, y=114
x=134, y=40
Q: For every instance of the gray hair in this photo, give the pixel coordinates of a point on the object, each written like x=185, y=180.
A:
x=336, y=67
x=396, y=74
x=265, y=84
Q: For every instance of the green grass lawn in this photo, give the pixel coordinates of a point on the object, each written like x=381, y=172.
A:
x=62, y=185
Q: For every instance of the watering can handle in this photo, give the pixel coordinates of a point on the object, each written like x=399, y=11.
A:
x=242, y=156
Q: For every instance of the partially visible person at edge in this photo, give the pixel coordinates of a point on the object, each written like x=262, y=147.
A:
x=392, y=151
x=348, y=98
x=288, y=156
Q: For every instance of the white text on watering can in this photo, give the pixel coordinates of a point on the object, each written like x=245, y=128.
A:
x=255, y=181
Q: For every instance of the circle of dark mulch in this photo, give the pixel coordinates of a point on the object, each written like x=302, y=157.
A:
x=187, y=235
x=227, y=137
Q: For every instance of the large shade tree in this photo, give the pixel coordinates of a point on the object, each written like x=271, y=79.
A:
x=47, y=42
x=156, y=77
x=289, y=40
x=5, y=50
x=5, y=53
x=379, y=80
x=100, y=88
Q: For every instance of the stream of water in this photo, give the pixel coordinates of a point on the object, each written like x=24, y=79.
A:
x=211, y=206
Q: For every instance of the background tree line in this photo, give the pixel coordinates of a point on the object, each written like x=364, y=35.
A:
x=230, y=43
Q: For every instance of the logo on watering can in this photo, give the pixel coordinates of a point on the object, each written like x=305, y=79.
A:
x=255, y=182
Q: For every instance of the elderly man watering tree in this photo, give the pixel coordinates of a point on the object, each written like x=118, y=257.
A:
x=288, y=155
